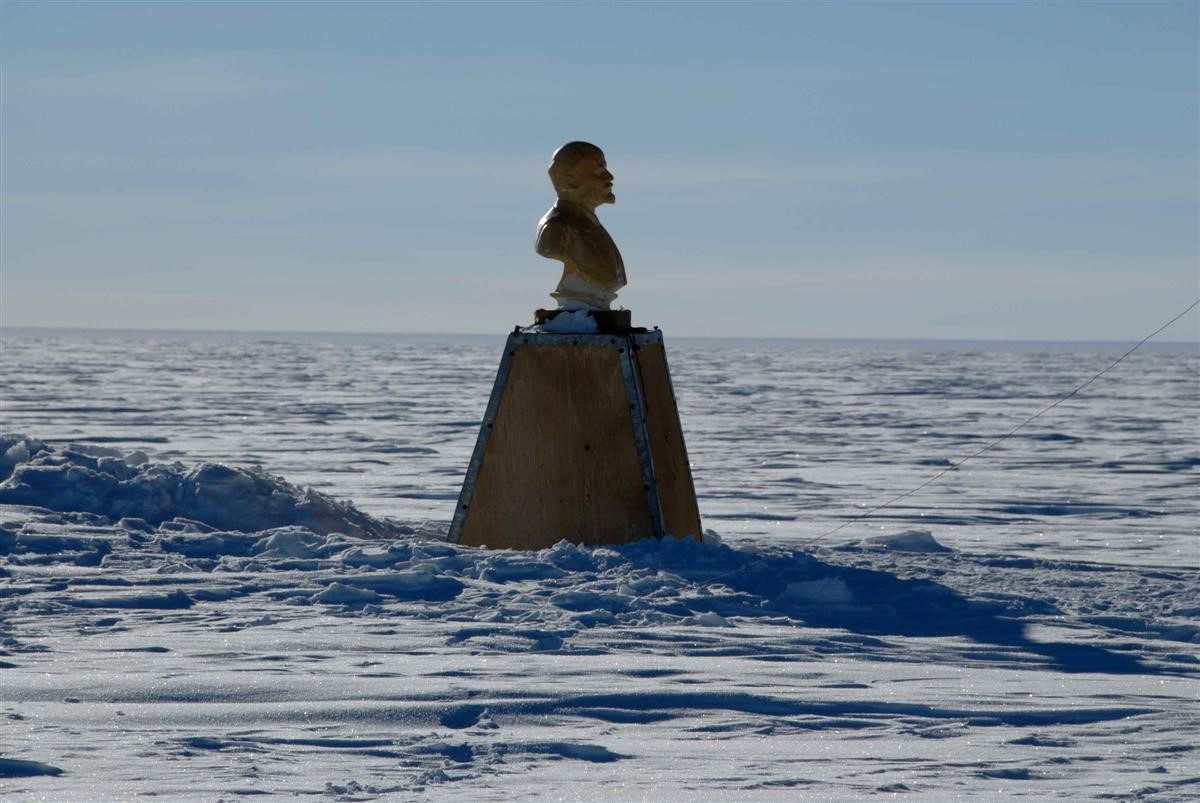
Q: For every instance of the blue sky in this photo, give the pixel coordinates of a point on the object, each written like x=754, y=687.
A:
x=948, y=170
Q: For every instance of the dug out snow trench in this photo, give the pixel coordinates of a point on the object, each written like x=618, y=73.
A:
x=209, y=631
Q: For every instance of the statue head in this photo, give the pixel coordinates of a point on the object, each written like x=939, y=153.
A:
x=580, y=175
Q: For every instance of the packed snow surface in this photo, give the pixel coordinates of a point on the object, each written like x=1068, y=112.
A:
x=185, y=617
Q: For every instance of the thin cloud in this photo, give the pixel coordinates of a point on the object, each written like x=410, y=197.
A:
x=687, y=174
x=180, y=81
x=392, y=165
x=937, y=276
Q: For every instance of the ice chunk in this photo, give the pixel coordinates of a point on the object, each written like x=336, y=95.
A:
x=291, y=542
x=17, y=449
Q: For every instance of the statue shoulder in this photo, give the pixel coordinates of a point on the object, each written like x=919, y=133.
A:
x=564, y=215
x=567, y=214
x=553, y=231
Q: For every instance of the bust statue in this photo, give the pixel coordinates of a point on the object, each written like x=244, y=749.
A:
x=571, y=233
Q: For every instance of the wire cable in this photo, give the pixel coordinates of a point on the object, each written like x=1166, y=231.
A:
x=1003, y=437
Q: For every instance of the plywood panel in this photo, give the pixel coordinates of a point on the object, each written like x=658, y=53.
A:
x=673, y=474
x=561, y=460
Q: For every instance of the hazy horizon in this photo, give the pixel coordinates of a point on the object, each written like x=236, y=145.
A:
x=1156, y=344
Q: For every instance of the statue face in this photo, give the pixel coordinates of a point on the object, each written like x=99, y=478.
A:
x=591, y=182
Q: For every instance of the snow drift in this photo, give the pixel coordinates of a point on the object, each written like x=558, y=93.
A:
x=103, y=481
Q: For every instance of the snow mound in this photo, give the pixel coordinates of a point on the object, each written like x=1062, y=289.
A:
x=341, y=594
x=87, y=479
x=19, y=768
x=573, y=322
x=908, y=541
x=416, y=584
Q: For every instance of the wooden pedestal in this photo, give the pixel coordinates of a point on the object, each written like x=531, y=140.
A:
x=581, y=441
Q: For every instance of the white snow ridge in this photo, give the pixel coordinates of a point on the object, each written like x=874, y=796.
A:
x=90, y=479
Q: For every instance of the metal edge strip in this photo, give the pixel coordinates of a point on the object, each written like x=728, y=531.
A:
x=647, y=338
x=481, y=442
x=687, y=460
x=637, y=415
x=545, y=339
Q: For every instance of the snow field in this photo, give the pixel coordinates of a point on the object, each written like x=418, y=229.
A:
x=178, y=621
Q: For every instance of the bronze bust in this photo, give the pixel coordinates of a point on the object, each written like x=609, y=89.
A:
x=571, y=233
